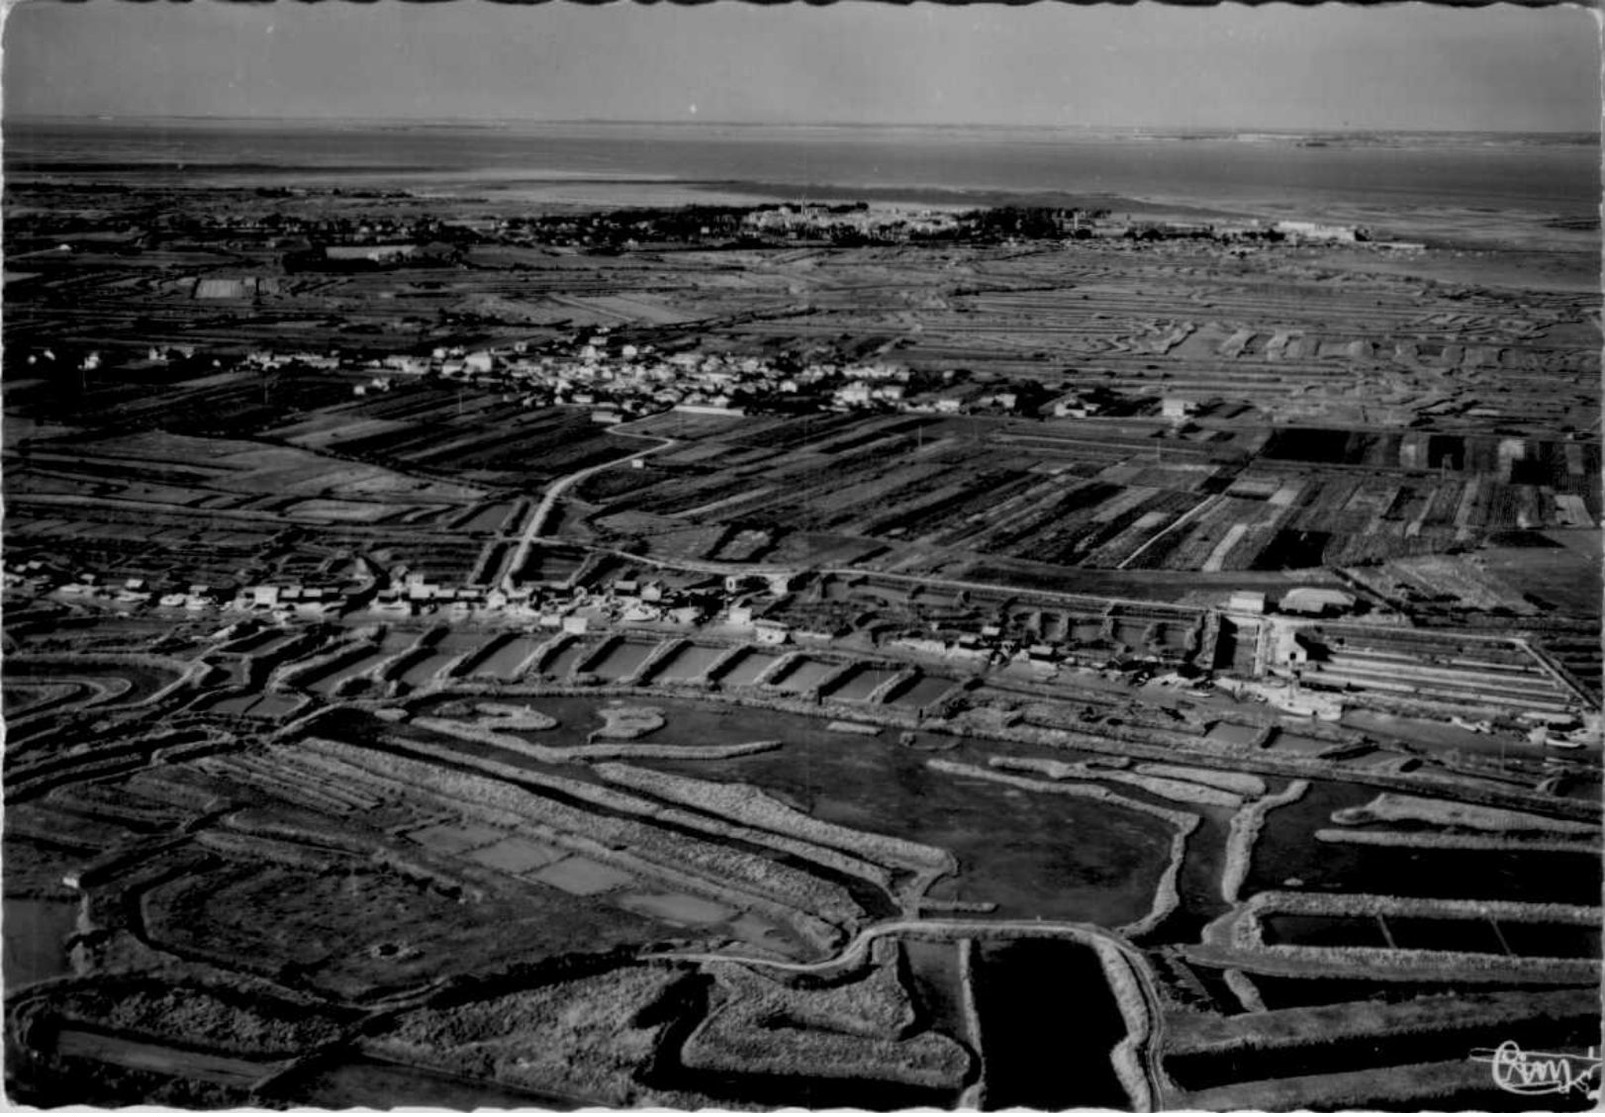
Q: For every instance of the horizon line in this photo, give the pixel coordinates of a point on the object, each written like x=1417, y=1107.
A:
x=484, y=121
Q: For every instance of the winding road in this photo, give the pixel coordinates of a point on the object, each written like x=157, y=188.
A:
x=554, y=493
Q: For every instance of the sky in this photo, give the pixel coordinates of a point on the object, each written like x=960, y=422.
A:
x=1408, y=66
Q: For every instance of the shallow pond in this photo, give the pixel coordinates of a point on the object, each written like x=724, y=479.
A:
x=545, y=566
x=423, y=672
x=690, y=662
x=1422, y=731
x=623, y=659
x=35, y=936
x=259, y=642
x=397, y=640
x=933, y=978
x=1031, y=853
x=924, y=691
x=508, y=661
x=559, y=665
x=326, y=682
x=804, y=674
x=371, y=1084
x=747, y=668
x=858, y=685
x=489, y=518
x=1229, y=733
x=237, y=705
x=1284, y=741
x=274, y=706
x=1131, y=632
x=1287, y=850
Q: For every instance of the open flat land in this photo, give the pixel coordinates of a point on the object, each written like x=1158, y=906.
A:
x=474, y=645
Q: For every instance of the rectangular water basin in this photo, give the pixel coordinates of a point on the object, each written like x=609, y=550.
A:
x=747, y=668
x=860, y=683
x=690, y=662
x=623, y=659
x=804, y=675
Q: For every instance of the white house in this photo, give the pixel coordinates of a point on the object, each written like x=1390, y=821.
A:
x=1176, y=409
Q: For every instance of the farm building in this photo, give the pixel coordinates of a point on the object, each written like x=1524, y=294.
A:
x=220, y=288
x=1074, y=406
x=373, y=253
x=1315, y=231
x=1246, y=601
x=1316, y=602
x=414, y=366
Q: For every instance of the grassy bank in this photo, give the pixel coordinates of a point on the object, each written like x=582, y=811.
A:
x=1244, y=833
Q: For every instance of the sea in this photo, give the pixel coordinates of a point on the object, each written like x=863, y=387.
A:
x=1542, y=176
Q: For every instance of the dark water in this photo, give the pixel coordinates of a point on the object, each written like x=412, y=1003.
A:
x=1048, y=1023
x=1321, y=930
x=1287, y=850
x=1536, y=174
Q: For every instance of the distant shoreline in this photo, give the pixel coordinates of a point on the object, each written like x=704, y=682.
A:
x=718, y=191
x=1102, y=132
x=1505, y=192
x=561, y=190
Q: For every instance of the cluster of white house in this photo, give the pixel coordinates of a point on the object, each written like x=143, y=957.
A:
x=805, y=218
x=732, y=602
x=618, y=382
x=732, y=599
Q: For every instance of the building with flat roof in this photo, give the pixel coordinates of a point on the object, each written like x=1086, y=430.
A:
x=1246, y=601
x=1315, y=601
